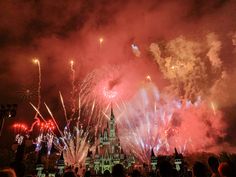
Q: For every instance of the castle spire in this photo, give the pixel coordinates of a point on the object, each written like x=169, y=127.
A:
x=112, y=114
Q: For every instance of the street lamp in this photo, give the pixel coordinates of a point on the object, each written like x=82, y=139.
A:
x=6, y=111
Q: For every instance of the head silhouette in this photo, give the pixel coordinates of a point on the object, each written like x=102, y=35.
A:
x=225, y=170
x=136, y=173
x=118, y=171
x=166, y=169
x=200, y=170
x=8, y=172
x=69, y=174
x=213, y=163
x=106, y=173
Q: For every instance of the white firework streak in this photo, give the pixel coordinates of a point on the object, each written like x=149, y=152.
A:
x=73, y=93
x=145, y=124
x=36, y=61
x=63, y=106
x=74, y=146
x=154, y=121
x=49, y=138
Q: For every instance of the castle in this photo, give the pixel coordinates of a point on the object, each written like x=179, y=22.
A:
x=108, y=151
x=107, y=154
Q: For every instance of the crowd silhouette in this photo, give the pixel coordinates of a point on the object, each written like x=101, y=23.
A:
x=214, y=167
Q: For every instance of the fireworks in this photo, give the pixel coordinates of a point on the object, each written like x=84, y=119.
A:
x=151, y=120
x=20, y=130
x=148, y=119
x=185, y=64
x=148, y=78
x=73, y=93
x=74, y=141
x=135, y=50
x=46, y=134
x=74, y=146
x=101, y=40
x=213, y=108
x=36, y=61
x=19, y=127
x=103, y=85
x=110, y=94
x=47, y=126
x=28, y=93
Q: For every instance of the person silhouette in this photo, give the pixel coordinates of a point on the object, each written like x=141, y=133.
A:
x=213, y=163
x=7, y=172
x=200, y=170
x=118, y=171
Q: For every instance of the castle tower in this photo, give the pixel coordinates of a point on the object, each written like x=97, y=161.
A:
x=153, y=160
x=39, y=165
x=108, y=151
x=112, y=126
x=61, y=164
x=178, y=160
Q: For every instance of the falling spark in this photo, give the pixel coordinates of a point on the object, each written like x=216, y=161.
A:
x=213, y=108
x=37, y=121
x=79, y=104
x=50, y=113
x=101, y=40
x=36, y=61
x=73, y=88
x=63, y=106
x=135, y=50
x=27, y=94
x=148, y=78
x=91, y=113
x=38, y=113
x=106, y=115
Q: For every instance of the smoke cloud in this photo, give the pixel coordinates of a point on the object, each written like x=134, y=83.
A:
x=192, y=45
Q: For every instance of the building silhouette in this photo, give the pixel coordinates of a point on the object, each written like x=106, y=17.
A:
x=108, y=151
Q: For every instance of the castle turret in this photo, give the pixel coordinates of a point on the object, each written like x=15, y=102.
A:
x=153, y=160
x=61, y=164
x=112, y=126
x=88, y=160
x=97, y=161
x=39, y=165
x=178, y=160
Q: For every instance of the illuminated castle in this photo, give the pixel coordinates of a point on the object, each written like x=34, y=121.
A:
x=108, y=151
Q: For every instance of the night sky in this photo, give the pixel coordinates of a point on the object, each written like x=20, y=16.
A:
x=57, y=31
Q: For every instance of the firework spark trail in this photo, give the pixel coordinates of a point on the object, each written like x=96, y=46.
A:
x=91, y=112
x=73, y=88
x=88, y=98
x=50, y=138
x=38, y=112
x=101, y=41
x=79, y=105
x=135, y=50
x=38, y=142
x=36, y=61
x=50, y=113
x=33, y=124
x=213, y=108
x=63, y=106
